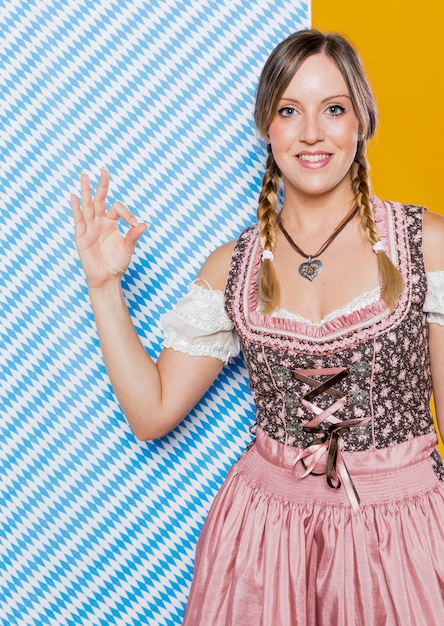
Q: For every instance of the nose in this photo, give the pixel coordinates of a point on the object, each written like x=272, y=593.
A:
x=311, y=128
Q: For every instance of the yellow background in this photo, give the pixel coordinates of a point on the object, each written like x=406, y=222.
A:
x=401, y=46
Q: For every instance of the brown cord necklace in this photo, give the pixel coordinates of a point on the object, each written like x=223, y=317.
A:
x=313, y=266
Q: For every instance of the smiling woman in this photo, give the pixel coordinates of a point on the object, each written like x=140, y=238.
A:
x=343, y=475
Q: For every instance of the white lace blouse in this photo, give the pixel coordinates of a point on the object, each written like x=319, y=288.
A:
x=199, y=326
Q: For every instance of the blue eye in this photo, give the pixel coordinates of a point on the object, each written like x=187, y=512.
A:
x=335, y=109
x=287, y=111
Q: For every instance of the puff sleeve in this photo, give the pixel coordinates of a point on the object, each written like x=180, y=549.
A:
x=199, y=326
x=434, y=301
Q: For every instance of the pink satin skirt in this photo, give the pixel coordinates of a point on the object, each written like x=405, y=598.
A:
x=280, y=550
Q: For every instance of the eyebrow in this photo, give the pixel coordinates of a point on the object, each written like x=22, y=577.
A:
x=340, y=95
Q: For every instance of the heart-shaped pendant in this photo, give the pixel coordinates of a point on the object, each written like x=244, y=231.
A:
x=310, y=269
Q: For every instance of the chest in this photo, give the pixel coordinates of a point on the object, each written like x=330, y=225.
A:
x=346, y=270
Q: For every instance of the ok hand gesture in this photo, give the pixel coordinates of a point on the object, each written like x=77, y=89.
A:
x=104, y=253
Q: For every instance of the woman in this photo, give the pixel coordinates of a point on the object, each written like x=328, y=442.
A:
x=334, y=516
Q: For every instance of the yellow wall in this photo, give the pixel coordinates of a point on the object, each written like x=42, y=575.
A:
x=401, y=46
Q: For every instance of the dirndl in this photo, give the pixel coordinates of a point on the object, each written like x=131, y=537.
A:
x=280, y=550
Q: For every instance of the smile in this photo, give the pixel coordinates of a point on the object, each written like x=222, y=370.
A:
x=313, y=158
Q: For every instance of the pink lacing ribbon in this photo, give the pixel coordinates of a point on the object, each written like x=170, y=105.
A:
x=336, y=471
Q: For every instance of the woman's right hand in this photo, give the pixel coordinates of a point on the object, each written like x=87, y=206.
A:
x=104, y=253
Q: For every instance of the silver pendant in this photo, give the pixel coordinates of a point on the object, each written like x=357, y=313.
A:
x=310, y=269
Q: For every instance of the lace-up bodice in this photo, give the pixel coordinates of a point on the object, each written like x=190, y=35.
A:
x=387, y=386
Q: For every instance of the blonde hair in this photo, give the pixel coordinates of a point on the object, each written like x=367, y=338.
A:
x=391, y=279
x=277, y=73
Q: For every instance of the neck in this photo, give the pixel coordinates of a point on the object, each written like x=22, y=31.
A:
x=313, y=220
x=317, y=212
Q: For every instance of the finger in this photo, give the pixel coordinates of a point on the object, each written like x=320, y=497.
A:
x=79, y=221
x=101, y=193
x=120, y=210
x=87, y=201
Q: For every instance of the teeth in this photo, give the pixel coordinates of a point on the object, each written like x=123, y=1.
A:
x=312, y=158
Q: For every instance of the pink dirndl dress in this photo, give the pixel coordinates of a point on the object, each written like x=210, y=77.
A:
x=334, y=516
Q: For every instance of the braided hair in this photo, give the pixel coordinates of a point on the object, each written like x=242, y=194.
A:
x=391, y=279
x=268, y=285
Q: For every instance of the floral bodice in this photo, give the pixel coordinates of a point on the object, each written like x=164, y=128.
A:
x=380, y=359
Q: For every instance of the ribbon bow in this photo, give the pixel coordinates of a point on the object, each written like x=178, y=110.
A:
x=336, y=471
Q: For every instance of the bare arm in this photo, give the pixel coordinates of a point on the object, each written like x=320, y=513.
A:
x=154, y=396
x=434, y=260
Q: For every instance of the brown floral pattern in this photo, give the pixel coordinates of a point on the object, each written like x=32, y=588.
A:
x=386, y=355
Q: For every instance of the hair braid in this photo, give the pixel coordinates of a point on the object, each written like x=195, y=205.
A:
x=391, y=278
x=268, y=285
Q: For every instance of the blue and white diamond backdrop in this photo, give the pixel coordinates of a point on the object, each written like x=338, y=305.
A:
x=96, y=527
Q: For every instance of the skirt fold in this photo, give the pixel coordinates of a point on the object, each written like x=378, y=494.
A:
x=279, y=550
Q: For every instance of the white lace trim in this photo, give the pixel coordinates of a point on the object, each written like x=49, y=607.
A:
x=434, y=302
x=360, y=302
x=199, y=326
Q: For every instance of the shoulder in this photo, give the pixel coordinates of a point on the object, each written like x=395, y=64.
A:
x=433, y=241
x=215, y=269
x=217, y=266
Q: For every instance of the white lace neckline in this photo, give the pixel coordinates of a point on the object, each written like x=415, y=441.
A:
x=359, y=302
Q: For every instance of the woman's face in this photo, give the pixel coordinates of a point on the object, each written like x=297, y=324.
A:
x=314, y=132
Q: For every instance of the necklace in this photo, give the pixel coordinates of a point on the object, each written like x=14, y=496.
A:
x=313, y=266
